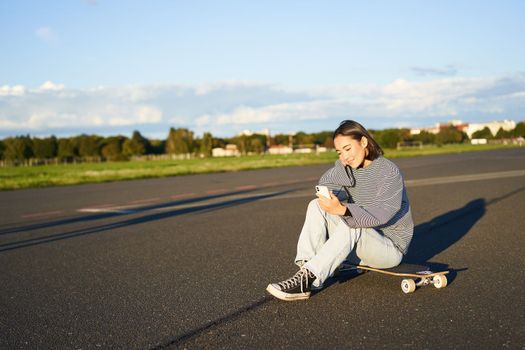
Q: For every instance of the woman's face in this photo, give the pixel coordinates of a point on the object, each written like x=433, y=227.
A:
x=352, y=152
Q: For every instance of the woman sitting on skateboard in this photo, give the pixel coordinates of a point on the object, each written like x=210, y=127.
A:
x=366, y=220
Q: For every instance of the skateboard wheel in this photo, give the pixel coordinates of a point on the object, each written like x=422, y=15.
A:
x=440, y=281
x=408, y=286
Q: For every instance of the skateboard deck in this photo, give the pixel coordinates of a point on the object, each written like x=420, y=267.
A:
x=416, y=275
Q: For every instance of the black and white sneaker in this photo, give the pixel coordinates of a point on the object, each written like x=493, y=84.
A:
x=297, y=287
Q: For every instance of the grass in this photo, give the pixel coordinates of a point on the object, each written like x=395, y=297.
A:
x=445, y=149
x=72, y=174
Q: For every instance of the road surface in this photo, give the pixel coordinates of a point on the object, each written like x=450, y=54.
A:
x=183, y=262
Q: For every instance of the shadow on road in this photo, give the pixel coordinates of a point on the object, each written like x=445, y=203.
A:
x=430, y=239
x=124, y=211
x=139, y=220
x=182, y=338
x=437, y=235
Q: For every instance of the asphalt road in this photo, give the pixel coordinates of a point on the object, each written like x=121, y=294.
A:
x=183, y=262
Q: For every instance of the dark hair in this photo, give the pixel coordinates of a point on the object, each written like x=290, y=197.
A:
x=356, y=131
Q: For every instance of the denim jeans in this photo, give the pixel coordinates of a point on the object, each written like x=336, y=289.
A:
x=326, y=241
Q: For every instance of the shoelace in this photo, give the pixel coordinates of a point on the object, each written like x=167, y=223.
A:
x=291, y=282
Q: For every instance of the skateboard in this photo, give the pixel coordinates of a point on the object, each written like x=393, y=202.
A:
x=416, y=275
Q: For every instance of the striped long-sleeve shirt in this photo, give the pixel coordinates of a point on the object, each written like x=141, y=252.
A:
x=376, y=198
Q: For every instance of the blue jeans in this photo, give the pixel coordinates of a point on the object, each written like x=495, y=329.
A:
x=326, y=241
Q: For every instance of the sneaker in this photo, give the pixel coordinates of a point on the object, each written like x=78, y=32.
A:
x=301, y=263
x=297, y=287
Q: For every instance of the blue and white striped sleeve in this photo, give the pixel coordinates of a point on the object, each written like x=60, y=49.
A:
x=386, y=202
x=335, y=177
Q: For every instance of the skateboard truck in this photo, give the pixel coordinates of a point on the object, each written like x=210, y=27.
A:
x=409, y=285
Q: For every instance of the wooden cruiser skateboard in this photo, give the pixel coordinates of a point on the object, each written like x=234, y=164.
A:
x=415, y=275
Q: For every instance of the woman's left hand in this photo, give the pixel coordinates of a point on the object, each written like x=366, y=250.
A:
x=331, y=205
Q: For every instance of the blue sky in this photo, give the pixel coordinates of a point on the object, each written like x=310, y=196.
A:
x=111, y=67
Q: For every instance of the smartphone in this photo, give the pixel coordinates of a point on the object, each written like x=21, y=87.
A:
x=323, y=191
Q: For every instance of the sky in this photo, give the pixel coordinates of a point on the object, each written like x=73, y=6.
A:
x=110, y=67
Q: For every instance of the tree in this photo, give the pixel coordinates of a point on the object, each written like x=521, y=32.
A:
x=519, y=130
x=2, y=149
x=425, y=137
x=112, y=148
x=281, y=139
x=18, y=148
x=206, y=144
x=45, y=148
x=328, y=142
x=503, y=134
x=67, y=148
x=320, y=138
x=389, y=138
x=485, y=133
x=242, y=143
x=89, y=145
x=157, y=146
x=256, y=145
x=179, y=141
x=136, y=146
x=221, y=143
x=450, y=135
x=323, y=138
x=303, y=139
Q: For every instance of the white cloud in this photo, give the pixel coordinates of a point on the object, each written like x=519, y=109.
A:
x=148, y=114
x=222, y=108
x=8, y=125
x=50, y=86
x=48, y=119
x=17, y=90
x=203, y=120
x=205, y=89
x=122, y=114
x=279, y=112
x=514, y=95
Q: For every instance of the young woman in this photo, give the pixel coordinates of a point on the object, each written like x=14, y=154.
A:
x=366, y=220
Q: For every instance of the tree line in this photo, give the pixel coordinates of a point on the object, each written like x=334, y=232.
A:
x=389, y=138
x=182, y=141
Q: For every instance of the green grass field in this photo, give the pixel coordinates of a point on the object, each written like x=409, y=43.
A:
x=71, y=174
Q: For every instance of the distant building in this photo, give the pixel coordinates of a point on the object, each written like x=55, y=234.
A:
x=280, y=149
x=493, y=126
x=458, y=124
x=229, y=151
x=320, y=149
x=479, y=141
x=467, y=128
x=432, y=129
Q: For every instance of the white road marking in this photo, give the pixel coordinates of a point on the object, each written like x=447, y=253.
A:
x=266, y=196
x=41, y=214
x=143, y=201
x=464, y=178
x=105, y=210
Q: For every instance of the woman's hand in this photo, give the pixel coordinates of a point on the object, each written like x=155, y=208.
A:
x=331, y=205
